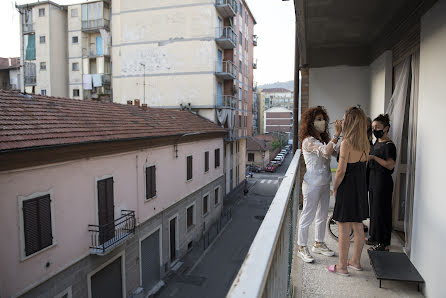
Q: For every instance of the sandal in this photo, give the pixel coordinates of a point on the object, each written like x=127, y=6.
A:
x=379, y=247
x=332, y=269
x=353, y=267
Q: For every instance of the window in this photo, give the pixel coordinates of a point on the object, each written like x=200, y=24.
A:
x=241, y=38
x=74, y=12
x=74, y=39
x=217, y=157
x=150, y=182
x=205, y=204
x=217, y=196
x=37, y=228
x=239, y=121
x=206, y=161
x=43, y=92
x=75, y=92
x=241, y=9
x=41, y=12
x=250, y=156
x=232, y=147
x=189, y=167
x=75, y=66
x=42, y=39
x=42, y=65
x=240, y=66
x=190, y=214
x=237, y=147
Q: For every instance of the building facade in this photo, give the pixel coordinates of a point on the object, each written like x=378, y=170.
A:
x=43, y=54
x=135, y=202
x=258, y=152
x=278, y=119
x=197, y=56
x=278, y=97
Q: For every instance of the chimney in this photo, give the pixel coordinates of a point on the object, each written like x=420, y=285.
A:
x=129, y=102
x=144, y=106
x=137, y=101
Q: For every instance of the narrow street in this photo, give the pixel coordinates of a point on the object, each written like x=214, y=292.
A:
x=212, y=276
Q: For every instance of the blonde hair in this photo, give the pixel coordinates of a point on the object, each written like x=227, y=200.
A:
x=355, y=129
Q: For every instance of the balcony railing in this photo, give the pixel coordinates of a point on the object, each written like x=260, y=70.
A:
x=226, y=37
x=28, y=27
x=266, y=271
x=254, y=40
x=106, y=237
x=226, y=70
x=90, y=25
x=254, y=65
x=93, y=53
x=226, y=102
x=227, y=8
x=30, y=80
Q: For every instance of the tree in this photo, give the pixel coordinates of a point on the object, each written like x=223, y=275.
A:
x=276, y=144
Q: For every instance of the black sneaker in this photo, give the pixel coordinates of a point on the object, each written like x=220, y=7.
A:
x=371, y=241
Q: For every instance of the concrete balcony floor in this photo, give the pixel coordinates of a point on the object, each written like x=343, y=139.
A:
x=312, y=280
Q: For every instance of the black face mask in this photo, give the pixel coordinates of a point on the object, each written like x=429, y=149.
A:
x=378, y=133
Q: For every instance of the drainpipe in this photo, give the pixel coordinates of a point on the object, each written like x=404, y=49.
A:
x=296, y=90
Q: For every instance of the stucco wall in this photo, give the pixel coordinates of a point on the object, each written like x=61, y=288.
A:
x=73, y=185
x=41, y=27
x=380, y=84
x=337, y=88
x=58, y=51
x=429, y=222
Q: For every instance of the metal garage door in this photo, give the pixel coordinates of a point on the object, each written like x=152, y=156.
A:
x=150, y=261
x=107, y=283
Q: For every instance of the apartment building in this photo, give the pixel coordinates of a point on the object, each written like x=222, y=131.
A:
x=43, y=55
x=89, y=48
x=278, y=119
x=278, y=97
x=102, y=207
x=197, y=55
x=10, y=73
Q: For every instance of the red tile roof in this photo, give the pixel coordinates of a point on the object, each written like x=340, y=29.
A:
x=256, y=144
x=5, y=63
x=28, y=121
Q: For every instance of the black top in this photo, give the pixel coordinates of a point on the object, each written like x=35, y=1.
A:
x=384, y=150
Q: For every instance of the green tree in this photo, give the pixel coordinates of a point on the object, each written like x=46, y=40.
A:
x=276, y=144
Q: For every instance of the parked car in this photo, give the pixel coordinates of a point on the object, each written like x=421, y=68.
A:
x=278, y=160
x=281, y=156
x=270, y=168
x=254, y=169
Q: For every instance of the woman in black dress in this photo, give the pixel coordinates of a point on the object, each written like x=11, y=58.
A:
x=350, y=187
x=381, y=164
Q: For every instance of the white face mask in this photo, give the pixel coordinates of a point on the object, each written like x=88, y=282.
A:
x=319, y=125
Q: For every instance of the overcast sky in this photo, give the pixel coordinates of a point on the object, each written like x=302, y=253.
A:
x=275, y=28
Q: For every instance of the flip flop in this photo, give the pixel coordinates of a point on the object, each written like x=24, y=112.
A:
x=353, y=267
x=332, y=269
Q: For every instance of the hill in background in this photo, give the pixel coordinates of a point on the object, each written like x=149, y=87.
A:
x=287, y=85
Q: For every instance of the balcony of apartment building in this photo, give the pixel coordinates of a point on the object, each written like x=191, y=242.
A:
x=225, y=101
x=95, y=16
x=28, y=28
x=226, y=37
x=105, y=237
x=29, y=74
x=254, y=64
x=254, y=40
x=227, y=8
x=225, y=70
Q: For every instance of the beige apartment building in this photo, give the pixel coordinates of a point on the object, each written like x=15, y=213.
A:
x=43, y=56
x=197, y=55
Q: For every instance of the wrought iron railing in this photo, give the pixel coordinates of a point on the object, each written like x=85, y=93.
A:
x=232, y=3
x=95, y=24
x=227, y=33
x=28, y=27
x=266, y=270
x=105, y=237
x=226, y=67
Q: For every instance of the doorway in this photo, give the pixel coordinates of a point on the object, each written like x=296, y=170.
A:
x=173, y=239
x=106, y=210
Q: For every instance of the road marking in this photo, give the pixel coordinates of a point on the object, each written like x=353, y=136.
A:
x=269, y=181
x=263, y=181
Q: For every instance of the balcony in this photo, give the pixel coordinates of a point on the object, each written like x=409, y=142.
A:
x=226, y=70
x=28, y=28
x=226, y=8
x=254, y=40
x=226, y=102
x=29, y=74
x=95, y=25
x=230, y=135
x=254, y=65
x=226, y=38
x=30, y=80
x=106, y=237
x=93, y=52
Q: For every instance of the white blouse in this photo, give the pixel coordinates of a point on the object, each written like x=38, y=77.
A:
x=317, y=159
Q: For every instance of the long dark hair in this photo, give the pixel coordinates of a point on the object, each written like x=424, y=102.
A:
x=307, y=128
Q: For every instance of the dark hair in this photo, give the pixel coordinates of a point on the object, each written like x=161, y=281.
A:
x=307, y=127
x=384, y=119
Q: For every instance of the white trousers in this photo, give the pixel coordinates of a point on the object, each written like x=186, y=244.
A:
x=316, y=199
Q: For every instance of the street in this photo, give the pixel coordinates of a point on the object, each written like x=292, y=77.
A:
x=212, y=274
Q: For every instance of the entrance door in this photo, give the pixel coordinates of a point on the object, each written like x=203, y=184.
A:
x=106, y=210
x=219, y=94
x=150, y=261
x=173, y=239
x=220, y=61
x=108, y=281
x=220, y=27
x=230, y=179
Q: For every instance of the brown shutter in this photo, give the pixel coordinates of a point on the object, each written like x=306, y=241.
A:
x=189, y=167
x=153, y=181
x=110, y=201
x=46, y=235
x=37, y=224
x=206, y=161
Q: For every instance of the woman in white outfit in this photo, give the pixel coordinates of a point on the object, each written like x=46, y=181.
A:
x=317, y=149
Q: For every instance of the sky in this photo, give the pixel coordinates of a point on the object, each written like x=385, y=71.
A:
x=275, y=30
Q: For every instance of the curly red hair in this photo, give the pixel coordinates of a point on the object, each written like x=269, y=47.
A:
x=307, y=128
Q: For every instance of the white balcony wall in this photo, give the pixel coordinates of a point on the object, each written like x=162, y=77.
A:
x=380, y=84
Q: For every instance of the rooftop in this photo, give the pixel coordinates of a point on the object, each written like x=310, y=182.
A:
x=275, y=90
x=255, y=144
x=31, y=121
x=9, y=63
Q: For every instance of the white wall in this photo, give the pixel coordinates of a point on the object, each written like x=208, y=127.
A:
x=380, y=84
x=337, y=88
x=429, y=221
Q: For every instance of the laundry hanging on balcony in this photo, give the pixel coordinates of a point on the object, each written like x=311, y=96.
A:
x=30, y=47
x=87, y=82
x=97, y=80
x=222, y=115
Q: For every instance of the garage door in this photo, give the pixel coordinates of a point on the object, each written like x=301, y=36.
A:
x=150, y=261
x=107, y=283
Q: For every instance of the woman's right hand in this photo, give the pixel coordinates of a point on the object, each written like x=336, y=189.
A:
x=338, y=127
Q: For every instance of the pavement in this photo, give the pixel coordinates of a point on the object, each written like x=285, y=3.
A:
x=312, y=280
x=210, y=273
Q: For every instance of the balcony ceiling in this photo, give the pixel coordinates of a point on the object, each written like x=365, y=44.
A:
x=347, y=29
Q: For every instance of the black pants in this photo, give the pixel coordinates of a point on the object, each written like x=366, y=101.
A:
x=380, y=200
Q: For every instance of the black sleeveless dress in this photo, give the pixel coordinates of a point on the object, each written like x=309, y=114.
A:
x=351, y=203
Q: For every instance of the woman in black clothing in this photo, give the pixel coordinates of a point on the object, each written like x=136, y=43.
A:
x=381, y=163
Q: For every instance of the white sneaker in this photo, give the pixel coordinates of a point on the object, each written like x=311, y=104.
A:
x=305, y=255
x=322, y=248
